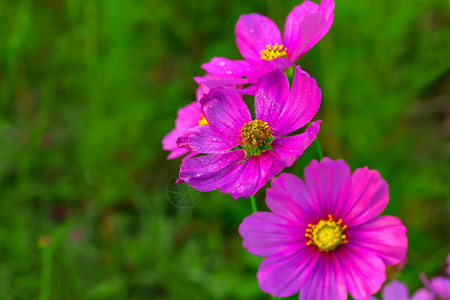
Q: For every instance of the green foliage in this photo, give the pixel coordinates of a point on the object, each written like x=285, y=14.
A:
x=89, y=88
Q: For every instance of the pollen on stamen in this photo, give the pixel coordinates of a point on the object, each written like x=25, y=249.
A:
x=272, y=52
x=256, y=137
x=327, y=235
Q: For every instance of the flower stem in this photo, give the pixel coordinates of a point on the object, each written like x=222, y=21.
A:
x=46, y=273
x=253, y=203
x=318, y=150
x=316, y=143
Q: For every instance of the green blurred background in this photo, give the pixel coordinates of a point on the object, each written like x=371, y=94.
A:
x=89, y=88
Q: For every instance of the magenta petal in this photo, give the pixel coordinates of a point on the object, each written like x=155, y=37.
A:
x=265, y=234
x=266, y=66
x=422, y=294
x=225, y=67
x=208, y=172
x=302, y=104
x=187, y=117
x=385, y=236
x=284, y=273
x=325, y=282
x=367, y=199
x=326, y=182
x=225, y=111
x=210, y=83
x=169, y=143
x=395, y=290
x=306, y=25
x=285, y=152
x=204, y=139
x=271, y=95
x=364, y=272
x=288, y=197
x=253, y=33
x=249, y=90
x=245, y=180
x=291, y=36
x=440, y=286
x=203, y=89
x=289, y=148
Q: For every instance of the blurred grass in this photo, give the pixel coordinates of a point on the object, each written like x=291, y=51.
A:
x=89, y=88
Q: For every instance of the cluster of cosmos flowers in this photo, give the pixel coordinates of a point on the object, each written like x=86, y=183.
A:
x=323, y=237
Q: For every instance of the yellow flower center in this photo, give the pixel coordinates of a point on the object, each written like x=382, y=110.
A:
x=274, y=51
x=256, y=137
x=202, y=121
x=326, y=235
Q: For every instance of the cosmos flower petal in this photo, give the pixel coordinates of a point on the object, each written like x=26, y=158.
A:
x=440, y=286
x=225, y=67
x=215, y=82
x=305, y=25
x=271, y=96
x=384, y=236
x=208, y=172
x=225, y=110
x=302, y=104
x=367, y=198
x=169, y=143
x=289, y=148
x=266, y=66
x=364, y=271
x=204, y=139
x=395, y=290
x=288, y=198
x=202, y=89
x=253, y=33
x=334, y=258
x=285, y=152
x=245, y=180
x=283, y=274
x=291, y=35
x=326, y=181
x=324, y=282
x=266, y=234
x=422, y=294
x=187, y=117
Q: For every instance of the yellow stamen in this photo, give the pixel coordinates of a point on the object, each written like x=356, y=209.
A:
x=274, y=51
x=256, y=137
x=327, y=234
x=203, y=121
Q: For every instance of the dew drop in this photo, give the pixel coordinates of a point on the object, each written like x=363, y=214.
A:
x=222, y=64
x=228, y=72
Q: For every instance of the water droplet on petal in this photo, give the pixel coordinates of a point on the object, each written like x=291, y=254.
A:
x=222, y=64
x=228, y=72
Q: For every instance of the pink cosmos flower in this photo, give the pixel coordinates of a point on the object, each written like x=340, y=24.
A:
x=259, y=41
x=242, y=154
x=396, y=290
x=187, y=117
x=439, y=286
x=324, y=236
